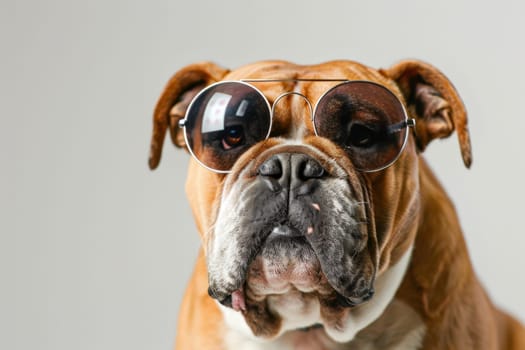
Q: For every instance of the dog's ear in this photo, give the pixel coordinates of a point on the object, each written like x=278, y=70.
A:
x=434, y=102
x=172, y=104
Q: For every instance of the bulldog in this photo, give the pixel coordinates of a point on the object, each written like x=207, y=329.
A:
x=322, y=225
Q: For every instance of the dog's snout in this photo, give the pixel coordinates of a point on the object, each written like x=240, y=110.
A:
x=290, y=170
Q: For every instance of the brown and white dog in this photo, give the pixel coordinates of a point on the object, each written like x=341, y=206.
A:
x=301, y=249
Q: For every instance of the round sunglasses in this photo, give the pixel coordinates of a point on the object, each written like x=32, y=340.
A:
x=364, y=118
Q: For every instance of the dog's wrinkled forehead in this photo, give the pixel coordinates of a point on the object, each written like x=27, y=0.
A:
x=294, y=112
x=312, y=89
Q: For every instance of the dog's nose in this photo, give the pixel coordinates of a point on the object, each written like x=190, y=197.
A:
x=290, y=170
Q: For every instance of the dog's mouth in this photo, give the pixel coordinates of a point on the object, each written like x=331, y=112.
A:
x=287, y=264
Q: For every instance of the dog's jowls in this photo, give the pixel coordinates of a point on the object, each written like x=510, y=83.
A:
x=301, y=248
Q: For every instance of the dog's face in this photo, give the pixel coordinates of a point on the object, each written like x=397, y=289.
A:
x=296, y=229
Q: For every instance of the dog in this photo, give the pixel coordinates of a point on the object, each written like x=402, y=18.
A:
x=322, y=225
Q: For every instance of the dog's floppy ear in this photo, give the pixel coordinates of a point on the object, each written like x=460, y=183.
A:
x=434, y=102
x=172, y=104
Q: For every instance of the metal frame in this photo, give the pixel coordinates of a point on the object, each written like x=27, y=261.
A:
x=406, y=123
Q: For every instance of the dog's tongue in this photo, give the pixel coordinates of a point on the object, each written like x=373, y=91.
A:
x=238, y=302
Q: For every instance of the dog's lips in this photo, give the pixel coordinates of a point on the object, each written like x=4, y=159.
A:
x=285, y=263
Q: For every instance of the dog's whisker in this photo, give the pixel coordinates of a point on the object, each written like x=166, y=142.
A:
x=208, y=232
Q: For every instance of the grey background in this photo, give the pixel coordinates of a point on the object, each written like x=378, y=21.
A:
x=95, y=249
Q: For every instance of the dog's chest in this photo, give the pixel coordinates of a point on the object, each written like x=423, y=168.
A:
x=399, y=328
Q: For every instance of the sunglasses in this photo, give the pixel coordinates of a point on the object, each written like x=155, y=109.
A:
x=365, y=119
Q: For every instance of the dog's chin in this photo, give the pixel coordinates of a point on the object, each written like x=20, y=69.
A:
x=285, y=280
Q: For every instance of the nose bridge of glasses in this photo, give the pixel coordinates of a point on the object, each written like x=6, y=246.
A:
x=294, y=111
x=293, y=93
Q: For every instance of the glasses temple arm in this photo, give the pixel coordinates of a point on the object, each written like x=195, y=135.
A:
x=397, y=127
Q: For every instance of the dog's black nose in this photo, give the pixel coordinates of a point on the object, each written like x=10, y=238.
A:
x=290, y=170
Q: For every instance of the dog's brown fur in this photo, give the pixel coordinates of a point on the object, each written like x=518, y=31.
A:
x=440, y=284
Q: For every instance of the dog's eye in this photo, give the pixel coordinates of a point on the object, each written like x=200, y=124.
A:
x=361, y=136
x=233, y=137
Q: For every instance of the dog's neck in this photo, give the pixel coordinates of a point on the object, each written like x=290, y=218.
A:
x=440, y=253
x=440, y=272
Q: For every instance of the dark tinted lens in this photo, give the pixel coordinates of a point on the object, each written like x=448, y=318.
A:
x=364, y=118
x=223, y=121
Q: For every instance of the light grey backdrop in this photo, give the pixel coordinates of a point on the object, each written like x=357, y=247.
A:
x=95, y=249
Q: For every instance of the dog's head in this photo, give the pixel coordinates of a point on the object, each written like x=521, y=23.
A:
x=304, y=179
